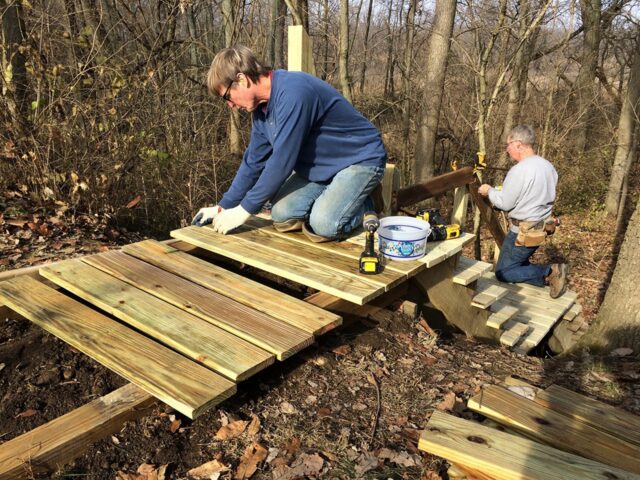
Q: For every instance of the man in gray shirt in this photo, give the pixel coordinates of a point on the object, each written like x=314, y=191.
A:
x=527, y=194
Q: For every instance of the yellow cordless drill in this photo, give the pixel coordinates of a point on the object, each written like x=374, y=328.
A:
x=440, y=230
x=370, y=261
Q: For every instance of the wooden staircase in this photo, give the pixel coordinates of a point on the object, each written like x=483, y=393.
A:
x=524, y=313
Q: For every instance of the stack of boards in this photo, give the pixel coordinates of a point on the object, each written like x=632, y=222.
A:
x=553, y=433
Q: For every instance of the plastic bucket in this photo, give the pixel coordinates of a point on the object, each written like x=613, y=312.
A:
x=403, y=238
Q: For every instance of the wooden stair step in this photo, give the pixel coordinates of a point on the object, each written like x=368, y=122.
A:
x=501, y=456
x=573, y=312
x=297, y=313
x=501, y=312
x=191, y=390
x=511, y=336
x=195, y=338
x=488, y=295
x=470, y=270
x=555, y=429
x=264, y=331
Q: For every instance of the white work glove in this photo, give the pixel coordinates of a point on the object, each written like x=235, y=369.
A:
x=206, y=215
x=229, y=219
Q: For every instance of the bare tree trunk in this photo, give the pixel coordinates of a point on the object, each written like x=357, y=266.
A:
x=585, y=87
x=14, y=74
x=363, y=66
x=229, y=14
x=407, y=77
x=629, y=116
x=325, y=36
x=618, y=322
x=437, y=56
x=388, y=79
x=271, y=44
x=193, y=35
x=345, y=83
x=278, y=61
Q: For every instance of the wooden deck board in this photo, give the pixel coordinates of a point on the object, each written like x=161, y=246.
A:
x=264, y=331
x=207, y=344
x=555, y=429
x=186, y=386
x=351, y=288
x=295, y=312
x=487, y=295
x=502, y=456
x=45, y=448
x=501, y=313
x=512, y=335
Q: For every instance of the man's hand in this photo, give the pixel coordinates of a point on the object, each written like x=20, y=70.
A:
x=229, y=219
x=484, y=189
x=206, y=215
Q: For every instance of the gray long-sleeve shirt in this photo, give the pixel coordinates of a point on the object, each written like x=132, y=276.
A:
x=528, y=191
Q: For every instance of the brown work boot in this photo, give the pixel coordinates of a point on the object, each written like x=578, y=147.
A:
x=557, y=279
x=314, y=237
x=291, y=225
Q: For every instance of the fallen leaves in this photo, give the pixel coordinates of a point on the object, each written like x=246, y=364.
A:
x=252, y=457
x=27, y=413
x=231, y=430
x=145, y=471
x=209, y=470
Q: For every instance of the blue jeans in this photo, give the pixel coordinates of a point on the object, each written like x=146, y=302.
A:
x=332, y=209
x=514, y=267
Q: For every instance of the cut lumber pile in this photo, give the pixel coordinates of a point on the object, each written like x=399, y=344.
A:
x=551, y=433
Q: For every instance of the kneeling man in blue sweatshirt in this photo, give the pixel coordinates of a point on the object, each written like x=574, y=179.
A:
x=311, y=153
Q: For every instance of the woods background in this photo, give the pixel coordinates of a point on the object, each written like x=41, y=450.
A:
x=104, y=101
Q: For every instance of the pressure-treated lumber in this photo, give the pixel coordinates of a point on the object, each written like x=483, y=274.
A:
x=469, y=270
x=503, y=456
x=191, y=389
x=48, y=447
x=199, y=340
x=300, y=50
x=433, y=187
x=460, y=206
x=488, y=295
x=295, y=312
x=350, y=287
x=511, y=336
x=501, y=312
x=266, y=332
x=437, y=252
x=594, y=413
x=488, y=214
x=555, y=429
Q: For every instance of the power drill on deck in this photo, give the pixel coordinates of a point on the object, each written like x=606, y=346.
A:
x=440, y=230
x=370, y=261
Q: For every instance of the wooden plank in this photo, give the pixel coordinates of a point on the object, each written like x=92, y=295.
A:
x=433, y=187
x=487, y=213
x=573, y=312
x=192, y=388
x=469, y=270
x=488, y=295
x=300, y=50
x=248, y=292
x=460, y=206
x=555, y=429
x=46, y=448
x=390, y=185
x=511, y=336
x=266, y=332
x=501, y=313
x=349, y=287
x=204, y=343
x=350, y=250
x=503, y=456
x=604, y=417
x=475, y=264
x=437, y=252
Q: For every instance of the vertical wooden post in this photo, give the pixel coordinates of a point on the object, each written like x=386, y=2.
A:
x=300, y=51
x=460, y=204
x=390, y=185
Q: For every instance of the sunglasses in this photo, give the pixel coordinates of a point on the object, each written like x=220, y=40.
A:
x=226, y=96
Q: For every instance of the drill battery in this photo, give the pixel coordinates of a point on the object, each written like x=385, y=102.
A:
x=440, y=230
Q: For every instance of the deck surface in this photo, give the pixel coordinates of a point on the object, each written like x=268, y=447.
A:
x=329, y=267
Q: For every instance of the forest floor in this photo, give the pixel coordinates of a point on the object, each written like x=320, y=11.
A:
x=350, y=406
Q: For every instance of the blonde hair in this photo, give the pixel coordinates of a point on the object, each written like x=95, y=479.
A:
x=231, y=61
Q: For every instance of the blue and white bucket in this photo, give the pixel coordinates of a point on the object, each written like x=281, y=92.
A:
x=403, y=238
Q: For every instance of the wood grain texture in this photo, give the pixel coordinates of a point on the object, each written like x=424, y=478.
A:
x=486, y=295
x=502, y=456
x=555, y=429
x=594, y=413
x=44, y=449
x=500, y=313
x=186, y=386
x=268, y=333
x=349, y=287
x=204, y=343
x=350, y=250
x=437, y=252
x=511, y=336
x=295, y=312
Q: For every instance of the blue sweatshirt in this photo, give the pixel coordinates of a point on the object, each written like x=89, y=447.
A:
x=307, y=127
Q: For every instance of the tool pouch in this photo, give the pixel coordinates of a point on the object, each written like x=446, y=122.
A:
x=550, y=226
x=531, y=234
